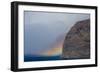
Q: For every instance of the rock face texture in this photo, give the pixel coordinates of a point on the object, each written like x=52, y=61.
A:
x=77, y=41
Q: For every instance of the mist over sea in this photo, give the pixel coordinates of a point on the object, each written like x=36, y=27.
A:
x=44, y=34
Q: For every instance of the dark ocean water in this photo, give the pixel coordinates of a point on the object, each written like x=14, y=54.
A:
x=29, y=58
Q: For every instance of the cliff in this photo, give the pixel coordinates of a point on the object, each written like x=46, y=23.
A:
x=77, y=41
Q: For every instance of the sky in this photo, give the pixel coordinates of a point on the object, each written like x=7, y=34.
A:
x=44, y=32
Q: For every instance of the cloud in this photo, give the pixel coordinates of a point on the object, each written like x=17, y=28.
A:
x=42, y=28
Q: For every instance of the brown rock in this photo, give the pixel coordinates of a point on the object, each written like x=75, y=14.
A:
x=77, y=41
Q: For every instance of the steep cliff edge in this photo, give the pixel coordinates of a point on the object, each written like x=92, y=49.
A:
x=77, y=41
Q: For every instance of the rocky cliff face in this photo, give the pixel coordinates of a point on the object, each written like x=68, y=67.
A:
x=77, y=41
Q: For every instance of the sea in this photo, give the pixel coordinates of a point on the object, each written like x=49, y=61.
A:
x=29, y=58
